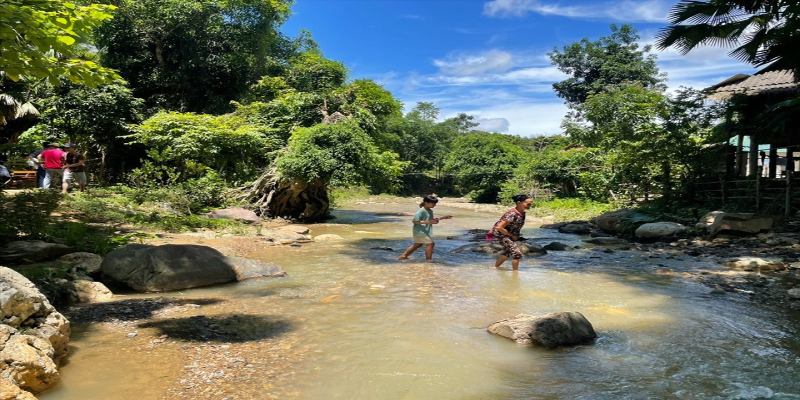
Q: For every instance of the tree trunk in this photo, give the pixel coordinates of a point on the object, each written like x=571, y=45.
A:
x=274, y=196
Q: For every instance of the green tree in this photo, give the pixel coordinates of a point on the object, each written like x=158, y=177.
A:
x=481, y=162
x=593, y=66
x=183, y=146
x=562, y=170
x=297, y=184
x=760, y=32
x=44, y=39
x=311, y=72
x=194, y=55
x=95, y=118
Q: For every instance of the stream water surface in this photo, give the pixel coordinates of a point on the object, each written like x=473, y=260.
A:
x=352, y=322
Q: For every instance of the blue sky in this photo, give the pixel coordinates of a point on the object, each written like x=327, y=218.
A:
x=487, y=58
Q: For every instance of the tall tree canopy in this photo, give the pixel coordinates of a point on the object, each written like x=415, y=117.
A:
x=194, y=55
x=761, y=32
x=593, y=66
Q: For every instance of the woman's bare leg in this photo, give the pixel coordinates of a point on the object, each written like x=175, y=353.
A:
x=410, y=250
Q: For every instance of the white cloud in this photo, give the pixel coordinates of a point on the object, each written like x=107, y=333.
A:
x=475, y=64
x=493, y=124
x=525, y=118
x=625, y=11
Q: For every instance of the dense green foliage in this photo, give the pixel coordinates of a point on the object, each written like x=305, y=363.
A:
x=215, y=97
x=184, y=146
x=562, y=170
x=481, y=162
x=46, y=38
x=98, y=118
x=342, y=154
x=193, y=55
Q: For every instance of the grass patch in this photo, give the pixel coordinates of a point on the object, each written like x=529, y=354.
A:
x=343, y=196
x=569, y=209
x=121, y=205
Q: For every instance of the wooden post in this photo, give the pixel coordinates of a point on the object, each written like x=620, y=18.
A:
x=724, y=189
x=788, y=207
x=753, y=157
x=740, y=154
x=773, y=161
x=758, y=192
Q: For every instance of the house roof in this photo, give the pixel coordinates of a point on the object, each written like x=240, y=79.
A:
x=766, y=81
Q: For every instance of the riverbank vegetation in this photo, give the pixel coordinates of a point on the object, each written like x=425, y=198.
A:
x=186, y=106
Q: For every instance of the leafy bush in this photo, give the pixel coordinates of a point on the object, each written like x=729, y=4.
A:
x=562, y=172
x=481, y=162
x=341, y=154
x=570, y=209
x=186, y=146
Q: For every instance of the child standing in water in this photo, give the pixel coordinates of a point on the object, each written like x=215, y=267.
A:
x=422, y=230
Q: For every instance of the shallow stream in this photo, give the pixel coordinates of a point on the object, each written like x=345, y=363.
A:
x=352, y=322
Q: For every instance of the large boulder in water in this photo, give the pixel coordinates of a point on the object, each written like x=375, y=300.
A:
x=31, y=251
x=741, y=223
x=148, y=268
x=607, y=241
x=28, y=362
x=33, y=336
x=549, y=330
x=576, y=227
x=10, y=391
x=622, y=222
x=236, y=214
x=659, y=230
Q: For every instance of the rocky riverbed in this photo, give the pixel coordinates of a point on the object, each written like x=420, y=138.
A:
x=349, y=309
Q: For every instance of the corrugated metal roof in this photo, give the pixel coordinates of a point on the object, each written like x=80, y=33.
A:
x=762, y=82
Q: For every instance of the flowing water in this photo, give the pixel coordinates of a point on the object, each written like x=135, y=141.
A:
x=351, y=322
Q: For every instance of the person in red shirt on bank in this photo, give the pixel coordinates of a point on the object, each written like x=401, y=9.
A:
x=52, y=159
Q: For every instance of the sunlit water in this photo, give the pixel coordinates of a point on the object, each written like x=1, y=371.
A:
x=357, y=324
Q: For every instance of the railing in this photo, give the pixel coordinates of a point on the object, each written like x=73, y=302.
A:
x=757, y=193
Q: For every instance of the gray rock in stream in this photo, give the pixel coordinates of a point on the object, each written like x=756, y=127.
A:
x=549, y=330
x=33, y=336
x=174, y=267
x=576, y=228
x=495, y=248
x=30, y=251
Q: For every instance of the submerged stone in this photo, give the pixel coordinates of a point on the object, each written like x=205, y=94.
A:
x=549, y=330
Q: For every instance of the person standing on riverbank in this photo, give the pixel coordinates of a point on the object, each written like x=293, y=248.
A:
x=74, y=169
x=506, y=231
x=52, y=159
x=422, y=228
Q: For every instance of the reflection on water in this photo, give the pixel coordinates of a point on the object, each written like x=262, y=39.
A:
x=351, y=322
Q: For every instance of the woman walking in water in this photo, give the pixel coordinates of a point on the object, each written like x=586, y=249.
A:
x=422, y=230
x=506, y=231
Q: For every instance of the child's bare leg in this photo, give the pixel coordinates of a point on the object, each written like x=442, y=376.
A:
x=410, y=250
x=429, y=251
x=500, y=260
x=515, y=264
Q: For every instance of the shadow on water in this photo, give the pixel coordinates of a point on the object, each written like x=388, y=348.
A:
x=387, y=251
x=358, y=217
x=235, y=328
x=128, y=310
